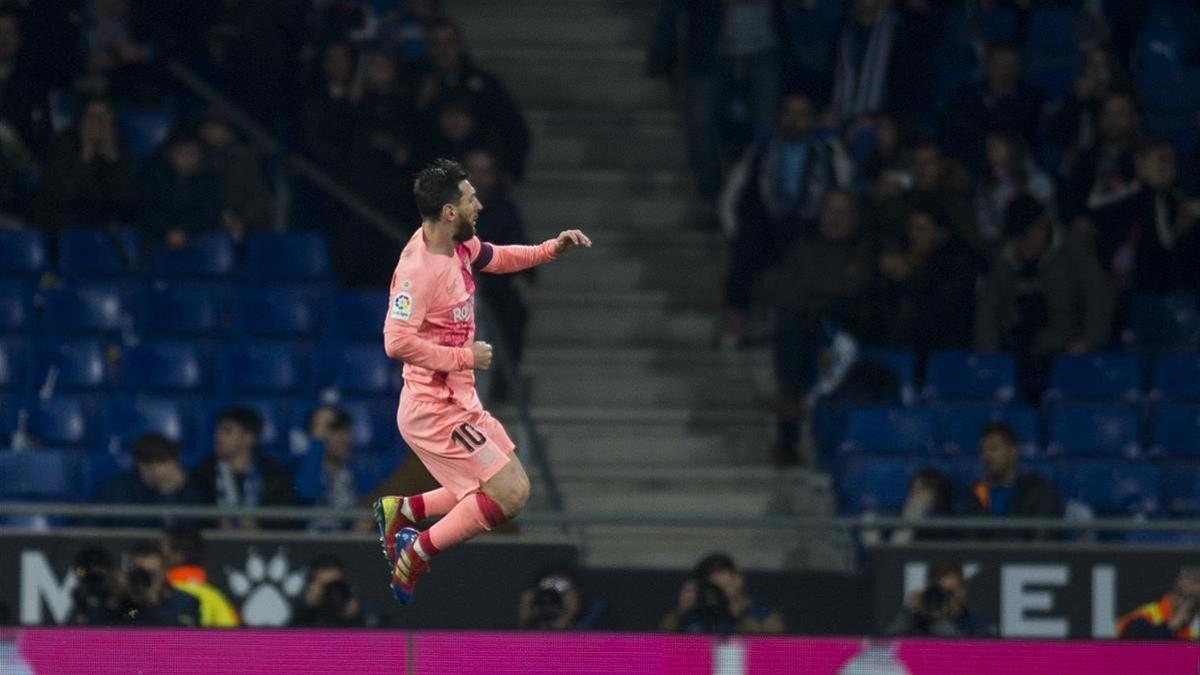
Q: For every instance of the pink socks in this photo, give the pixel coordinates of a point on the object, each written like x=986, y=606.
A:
x=474, y=514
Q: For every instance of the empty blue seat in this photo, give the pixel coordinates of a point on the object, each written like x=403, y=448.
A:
x=9, y=406
x=15, y=301
x=958, y=425
x=358, y=369
x=302, y=255
x=1180, y=487
x=1094, y=430
x=903, y=363
x=1162, y=322
x=63, y=421
x=967, y=376
x=275, y=311
x=867, y=483
x=207, y=256
x=125, y=419
x=262, y=368
x=1051, y=32
x=276, y=412
x=184, y=310
x=1175, y=430
x=1096, y=377
x=22, y=253
x=15, y=364
x=163, y=366
x=91, y=309
x=88, y=252
x=71, y=365
x=1112, y=487
x=357, y=315
x=47, y=475
x=1177, y=377
x=885, y=429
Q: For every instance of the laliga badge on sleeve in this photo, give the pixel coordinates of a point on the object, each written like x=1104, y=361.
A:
x=401, y=307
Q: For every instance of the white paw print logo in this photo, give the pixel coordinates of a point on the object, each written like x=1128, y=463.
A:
x=266, y=588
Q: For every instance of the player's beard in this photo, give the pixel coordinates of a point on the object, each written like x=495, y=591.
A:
x=464, y=229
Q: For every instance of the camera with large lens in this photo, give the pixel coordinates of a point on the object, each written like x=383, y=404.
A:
x=335, y=599
x=95, y=594
x=547, y=606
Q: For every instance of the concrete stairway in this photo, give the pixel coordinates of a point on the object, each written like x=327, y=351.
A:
x=638, y=411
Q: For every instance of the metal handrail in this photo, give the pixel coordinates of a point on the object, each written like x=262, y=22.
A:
x=567, y=518
x=318, y=177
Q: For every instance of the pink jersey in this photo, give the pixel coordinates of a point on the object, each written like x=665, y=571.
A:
x=430, y=323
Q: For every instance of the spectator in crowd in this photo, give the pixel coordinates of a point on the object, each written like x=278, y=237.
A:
x=23, y=104
x=929, y=495
x=1010, y=173
x=507, y=295
x=236, y=474
x=157, y=478
x=772, y=197
x=1006, y=490
x=325, y=475
x=940, y=609
x=1171, y=617
x=454, y=75
x=456, y=131
x=557, y=602
x=1104, y=172
x=184, y=197
x=725, y=44
x=328, y=600
x=404, y=31
x=823, y=278
x=1148, y=235
x=96, y=599
x=89, y=179
x=151, y=601
x=183, y=551
x=119, y=46
x=1000, y=102
x=928, y=286
x=1045, y=295
x=327, y=115
x=714, y=600
x=244, y=193
x=876, y=148
x=932, y=181
x=1073, y=122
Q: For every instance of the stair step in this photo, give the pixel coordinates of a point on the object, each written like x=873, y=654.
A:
x=586, y=272
x=553, y=208
x=631, y=326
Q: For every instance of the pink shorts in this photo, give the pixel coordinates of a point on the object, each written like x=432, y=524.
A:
x=461, y=448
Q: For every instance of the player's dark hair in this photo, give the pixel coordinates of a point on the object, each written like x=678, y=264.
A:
x=187, y=543
x=154, y=447
x=437, y=185
x=248, y=419
x=1004, y=431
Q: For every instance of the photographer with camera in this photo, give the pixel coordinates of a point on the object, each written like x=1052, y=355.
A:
x=1171, y=617
x=96, y=599
x=714, y=600
x=149, y=599
x=556, y=602
x=940, y=609
x=328, y=601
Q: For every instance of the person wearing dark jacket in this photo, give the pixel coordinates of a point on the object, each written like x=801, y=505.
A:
x=236, y=474
x=1104, y=172
x=157, y=479
x=1171, y=617
x=940, y=609
x=1005, y=490
x=184, y=197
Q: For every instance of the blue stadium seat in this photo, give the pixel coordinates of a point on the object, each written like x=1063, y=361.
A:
x=96, y=309
x=100, y=464
x=1096, y=377
x=15, y=307
x=957, y=426
x=874, y=483
x=358, y=369
x=1112, y=487
x=357, y=316
x=263, y=368
x=885, y=429
x=143, y=129
x=1177, y=377
x=22, y=253
x=207, y=256
x=185, y=310
x=8, y=417
x=1180, y=489
x=164, y=366
x=1175, y=430
x=1094, y=430
x=967, y=376
x=91, y=253
x=125, y=419
x=76, y=364
x=276, y=413
x=63, y=421
x=47, y=475
x=15, y=364
x=1163, y=322
x=903, y=363
x=1051, y=32
x=295, y=256
x=278, y=311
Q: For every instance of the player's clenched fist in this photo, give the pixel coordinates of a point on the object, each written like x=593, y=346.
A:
x=482, y=352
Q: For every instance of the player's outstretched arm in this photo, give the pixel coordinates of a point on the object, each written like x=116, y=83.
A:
x=508, y=259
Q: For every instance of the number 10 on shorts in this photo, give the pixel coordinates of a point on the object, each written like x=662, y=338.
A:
x=470, y=438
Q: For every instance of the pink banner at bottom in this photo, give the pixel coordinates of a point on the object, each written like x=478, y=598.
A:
x=46, y=651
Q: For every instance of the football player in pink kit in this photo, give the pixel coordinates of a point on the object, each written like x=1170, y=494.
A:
x=430, y=325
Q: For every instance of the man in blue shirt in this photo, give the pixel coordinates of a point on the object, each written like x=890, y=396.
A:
x=1005, y=490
